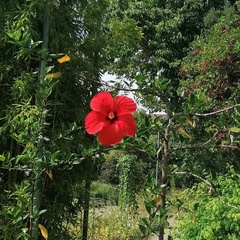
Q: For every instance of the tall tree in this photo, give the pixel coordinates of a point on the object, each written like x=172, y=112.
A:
x=168, y=27
x=154, y=64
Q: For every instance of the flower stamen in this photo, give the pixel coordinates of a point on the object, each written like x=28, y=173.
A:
x=111, y=115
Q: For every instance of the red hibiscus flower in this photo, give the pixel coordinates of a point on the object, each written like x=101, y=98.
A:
x=111, y=117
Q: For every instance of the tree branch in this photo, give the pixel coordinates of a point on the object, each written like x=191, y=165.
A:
x=202, y=146
x=196, y=176
x=216, y=112
x=211, y=187
x=147, y=91
x=23, y=169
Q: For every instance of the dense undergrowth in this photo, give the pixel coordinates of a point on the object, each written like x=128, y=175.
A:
x=208, y=210
x=211, y=212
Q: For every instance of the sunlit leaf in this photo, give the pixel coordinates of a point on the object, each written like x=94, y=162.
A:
x=64, y=59
x=210, y=190
x=42, y=211
x=184, y=133
x=54, y=75
x=2, y=158
x=234, y=129
x=191, y=122
x=43, y=230
x=49, y=173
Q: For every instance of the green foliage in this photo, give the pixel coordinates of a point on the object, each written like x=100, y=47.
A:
x=187, y=64
x=128, y=179
x=141, y=148
x=109, y=172
x=41, y=123
x=168, y=28
x=209, y=84
x=155, y=213
x=64, y=200
x=211, y=17
x=14, y=212
x=211, y=213
x=148, y=126
x=105, y=192
x=214, y=68
x=113, y=223
x=124, y=34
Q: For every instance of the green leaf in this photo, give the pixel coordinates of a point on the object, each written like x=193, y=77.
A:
x=2, y=158
x=146, y=222
x=149, y=209
x=149, y=206
x=42, y=211
x=55, y=155
x=181, y=119
x=143, y=229
x=141, y=78
x=193, y=99
x=234, y=129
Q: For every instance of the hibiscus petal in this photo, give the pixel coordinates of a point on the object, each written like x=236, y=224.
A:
x=94, y=122
x=110, y=134
x=102, y=102
x=124, y=105
x=127, y=124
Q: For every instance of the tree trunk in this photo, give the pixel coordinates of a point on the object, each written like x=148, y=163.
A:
x=86, y=209
x=164, y=179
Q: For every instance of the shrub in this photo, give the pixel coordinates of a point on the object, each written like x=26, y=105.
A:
x=211, y=214
x=104, y=191
x=113, y=223
x=14, y=215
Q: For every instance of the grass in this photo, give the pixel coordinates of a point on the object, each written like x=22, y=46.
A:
x=112, y=223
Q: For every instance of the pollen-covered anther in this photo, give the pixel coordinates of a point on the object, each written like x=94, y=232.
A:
x=111, y=115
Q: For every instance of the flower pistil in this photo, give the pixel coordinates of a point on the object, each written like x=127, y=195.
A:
x=111, y=115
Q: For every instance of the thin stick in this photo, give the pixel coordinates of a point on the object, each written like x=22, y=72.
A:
x=211, y=186
x=216, y=112
x=201, y=146
x=196, y=176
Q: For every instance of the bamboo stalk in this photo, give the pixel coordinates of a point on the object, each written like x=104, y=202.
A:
x=37, y=175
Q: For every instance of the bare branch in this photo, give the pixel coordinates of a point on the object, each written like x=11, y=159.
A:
x=205, y=146
x=228, y=204
x=211, y=187
x=216, y=112
x=23, y=169
x=196, y=176
x=147, y=91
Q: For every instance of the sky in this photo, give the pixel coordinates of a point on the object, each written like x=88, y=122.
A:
x=110, y=79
